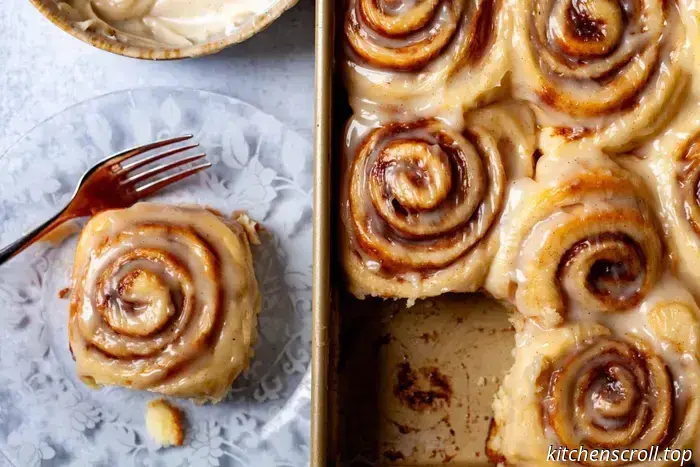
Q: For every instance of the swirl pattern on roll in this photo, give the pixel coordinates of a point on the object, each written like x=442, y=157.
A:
x=164, y=298
x=600, y=388
x=608, y=393
x=612, y=67
x=583, y=240
x=401, y=49
x=420, y=199
x=688, y=179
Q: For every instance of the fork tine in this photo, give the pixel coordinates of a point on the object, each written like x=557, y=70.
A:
x=161, y=168
x=155, y=157
x=154, y=186
x=129, y=153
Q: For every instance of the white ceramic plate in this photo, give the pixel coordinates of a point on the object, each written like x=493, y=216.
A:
x=47, y=416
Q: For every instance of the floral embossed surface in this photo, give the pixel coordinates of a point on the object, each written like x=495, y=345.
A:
x=47, y=416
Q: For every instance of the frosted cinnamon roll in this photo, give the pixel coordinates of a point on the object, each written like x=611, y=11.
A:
x=611, y=70
x=420, y=200
x=633, y=383
x=164, y=299
x=446, y=52
x=581, y=238
x=671, y=166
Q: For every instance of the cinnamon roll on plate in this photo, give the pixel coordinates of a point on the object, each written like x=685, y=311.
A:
x=165, y=299
x=421, y=200
x=428, y=54
x=581, y=237
x=611, y=70
x=630, y=383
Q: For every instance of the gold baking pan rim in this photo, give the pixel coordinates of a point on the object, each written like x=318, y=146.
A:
x=322, y=233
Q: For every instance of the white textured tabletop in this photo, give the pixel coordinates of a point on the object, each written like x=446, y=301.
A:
x=44, y=70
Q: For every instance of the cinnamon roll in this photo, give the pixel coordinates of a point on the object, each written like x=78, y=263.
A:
x=671, y=166
x=581, y=238
x=420, y=200
x=448, y=52
x=612, y=70
x=633, y=383
x=164, y=299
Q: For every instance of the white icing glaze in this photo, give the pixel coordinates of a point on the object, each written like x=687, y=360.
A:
x=176, y=23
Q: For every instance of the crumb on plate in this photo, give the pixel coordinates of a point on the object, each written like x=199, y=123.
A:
x=164, y=423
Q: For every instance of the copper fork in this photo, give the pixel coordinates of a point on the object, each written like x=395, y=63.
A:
x=113, y=183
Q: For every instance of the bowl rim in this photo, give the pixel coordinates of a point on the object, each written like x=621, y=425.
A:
x=49, y=9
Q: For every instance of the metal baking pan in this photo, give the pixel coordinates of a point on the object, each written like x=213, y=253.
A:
x=391, y=385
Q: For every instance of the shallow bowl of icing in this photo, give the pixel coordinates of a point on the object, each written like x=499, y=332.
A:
x=255, y=15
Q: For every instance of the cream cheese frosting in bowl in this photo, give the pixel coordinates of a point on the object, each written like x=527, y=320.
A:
x=162, y=29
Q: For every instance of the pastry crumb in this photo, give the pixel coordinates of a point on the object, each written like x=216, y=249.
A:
x=481, y=382
x=63, y=293
x=164, y=423
x=89, y=381
x=251, y=227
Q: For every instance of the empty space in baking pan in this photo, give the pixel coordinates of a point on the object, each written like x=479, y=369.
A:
x=414, y=386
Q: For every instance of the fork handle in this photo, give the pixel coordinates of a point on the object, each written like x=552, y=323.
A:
x=29, y=238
